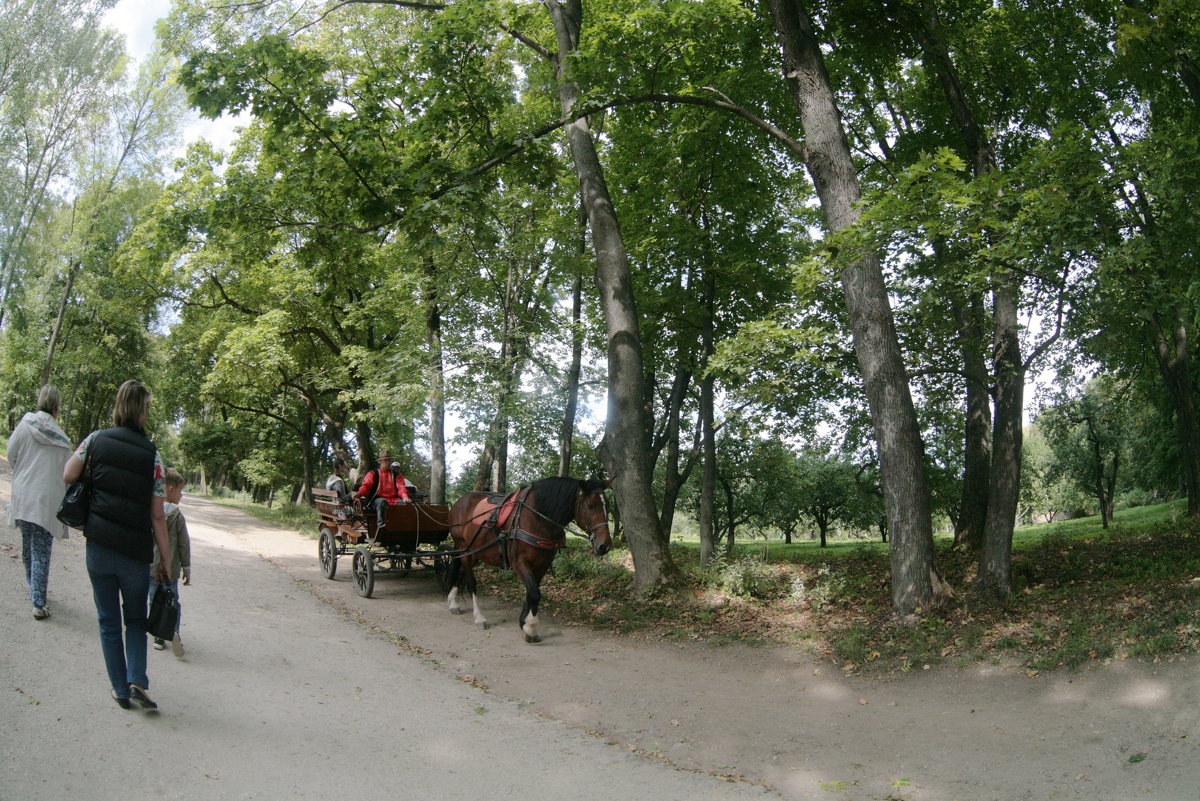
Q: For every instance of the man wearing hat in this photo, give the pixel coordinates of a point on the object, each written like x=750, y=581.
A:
x=383, y=487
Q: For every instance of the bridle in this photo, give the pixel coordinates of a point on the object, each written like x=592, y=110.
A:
x=590, y=534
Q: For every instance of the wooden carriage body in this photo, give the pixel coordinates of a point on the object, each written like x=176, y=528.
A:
x=416, y=536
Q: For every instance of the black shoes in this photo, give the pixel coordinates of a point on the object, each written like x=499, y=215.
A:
x=139, y=697
x=121, y=702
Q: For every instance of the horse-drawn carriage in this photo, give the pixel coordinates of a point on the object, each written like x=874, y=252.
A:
x=415, y=537
x=521, y=532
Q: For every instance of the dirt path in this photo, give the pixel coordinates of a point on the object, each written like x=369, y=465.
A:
x=769, y=716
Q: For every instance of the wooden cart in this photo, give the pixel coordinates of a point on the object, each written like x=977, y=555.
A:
x=416, y=537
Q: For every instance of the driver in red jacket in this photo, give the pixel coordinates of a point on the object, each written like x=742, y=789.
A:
x=384, y=487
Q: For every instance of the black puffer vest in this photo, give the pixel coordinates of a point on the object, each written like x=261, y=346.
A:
x=122, y=464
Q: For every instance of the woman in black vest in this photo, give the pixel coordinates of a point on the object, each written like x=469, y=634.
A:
x=124, y=521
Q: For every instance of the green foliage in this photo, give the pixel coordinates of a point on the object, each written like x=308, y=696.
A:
x=747, y=577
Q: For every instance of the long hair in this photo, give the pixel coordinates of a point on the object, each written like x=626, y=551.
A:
x=132, y=406
x=556, y=496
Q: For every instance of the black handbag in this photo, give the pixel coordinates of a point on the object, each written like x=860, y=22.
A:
x=73, y=511
x=164, y=613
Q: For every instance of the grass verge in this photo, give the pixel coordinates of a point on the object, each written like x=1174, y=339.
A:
x=1081, y=595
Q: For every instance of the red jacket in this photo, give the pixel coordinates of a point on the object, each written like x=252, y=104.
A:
x=390, y=489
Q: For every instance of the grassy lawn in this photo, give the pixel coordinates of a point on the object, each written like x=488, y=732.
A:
x=1082, y=595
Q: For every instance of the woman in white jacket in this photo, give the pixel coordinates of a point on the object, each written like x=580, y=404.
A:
x=37, y=451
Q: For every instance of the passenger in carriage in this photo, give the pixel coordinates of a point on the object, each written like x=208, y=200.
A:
x=337, y=481
x=383, y=487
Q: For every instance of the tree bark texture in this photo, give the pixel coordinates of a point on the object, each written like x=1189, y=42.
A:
x=708, y=479
x=626, y=433
x=1004, y=483
x=876, y=345
x=566, y=439
x=977, y=428
x=995, y=573
x=1174, y=363
x=674, y=476
x=437, y=393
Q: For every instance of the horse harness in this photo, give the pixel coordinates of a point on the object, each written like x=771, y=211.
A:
x=503, y=518
x=502, y=521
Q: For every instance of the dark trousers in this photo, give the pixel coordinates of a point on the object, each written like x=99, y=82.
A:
x=381, y=505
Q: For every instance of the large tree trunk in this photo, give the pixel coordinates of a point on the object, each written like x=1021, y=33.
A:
x=366, y=451
x=708, y=481
x=674, y=477
x=876, y=346
x=968, y=532
x=995, y=582
x=626, y=434
x=437, y=394
x=1008, y=367
x=1171, y=353
x=306, y=450
x=566, y=438
x=48, y=367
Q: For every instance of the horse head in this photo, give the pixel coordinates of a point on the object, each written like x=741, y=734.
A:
x=591, y=514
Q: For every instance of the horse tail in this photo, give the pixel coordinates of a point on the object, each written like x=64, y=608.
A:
x=455, y=577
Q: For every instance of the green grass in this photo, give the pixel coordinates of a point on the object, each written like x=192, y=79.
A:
x=1081, y=595
x=290, y=516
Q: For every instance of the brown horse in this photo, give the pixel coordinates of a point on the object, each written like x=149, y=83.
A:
x=523, y=531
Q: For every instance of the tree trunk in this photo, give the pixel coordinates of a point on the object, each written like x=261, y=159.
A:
x=48, y=367
x=566, y=438
x=366, y=451
x=876, y=345
x=1009, y=370
x=437, y=394
x=968, y=531
x=306, y=450
x=673, y=477
x=995, y=580
x=626, y=434
x=1174, y=363
x=708, y=480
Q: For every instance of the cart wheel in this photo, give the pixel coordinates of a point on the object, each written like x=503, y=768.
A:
x=364, y=571
x=327, y=552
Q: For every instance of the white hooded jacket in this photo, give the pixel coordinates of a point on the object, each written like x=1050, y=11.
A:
x=38, y=450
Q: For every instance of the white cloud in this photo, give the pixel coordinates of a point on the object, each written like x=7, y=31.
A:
x=135, y=20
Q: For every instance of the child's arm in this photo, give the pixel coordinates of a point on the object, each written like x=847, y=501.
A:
x=185, y=550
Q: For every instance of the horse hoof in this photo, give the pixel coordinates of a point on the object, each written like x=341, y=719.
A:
x=483, y=626
x=457, y=611
x=534, y=638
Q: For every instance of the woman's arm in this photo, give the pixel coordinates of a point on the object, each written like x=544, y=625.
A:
x=158, y=519
x=72, y=468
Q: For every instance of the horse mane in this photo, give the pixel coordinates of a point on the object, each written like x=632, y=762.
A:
x=556, y=495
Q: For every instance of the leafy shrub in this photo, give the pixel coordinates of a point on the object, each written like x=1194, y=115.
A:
x=581, y=565
x=747, y=577
x=821, y=591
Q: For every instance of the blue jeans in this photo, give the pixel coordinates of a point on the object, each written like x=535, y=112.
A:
x=174, y=585
x=120, y=586
x=36, y=544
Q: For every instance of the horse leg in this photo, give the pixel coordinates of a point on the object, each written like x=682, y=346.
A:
x=452, y=600
x=533, y=596
x=469, y=589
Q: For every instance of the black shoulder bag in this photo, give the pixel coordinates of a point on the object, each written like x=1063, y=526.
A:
x=73, y=511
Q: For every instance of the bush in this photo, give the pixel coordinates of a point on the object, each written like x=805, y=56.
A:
x=581, y=565
x=748, y=577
